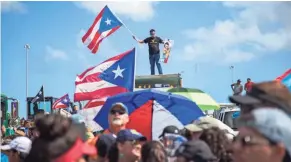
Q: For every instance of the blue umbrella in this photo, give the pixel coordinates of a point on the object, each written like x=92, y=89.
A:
x=151, y=110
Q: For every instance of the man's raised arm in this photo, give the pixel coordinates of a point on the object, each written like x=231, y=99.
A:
x=139, y=41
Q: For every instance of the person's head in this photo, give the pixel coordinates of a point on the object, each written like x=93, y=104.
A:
x=218, y=142
x=264, y=135
x=238, y=81
x=75, y=108
x=271, y=94
x=152, y=32
x=205, y=122
x=195, y=150
x=168, y=135
x=59, y=140
x=103, y=145
x=129, y=143
x=153, y=151
x=118, y=115
x=17, y=149
x=249, y=80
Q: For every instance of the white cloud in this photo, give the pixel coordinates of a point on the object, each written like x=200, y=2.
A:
x=52, y=54
x=13, y=6
x=256, y=28
x=135, y=10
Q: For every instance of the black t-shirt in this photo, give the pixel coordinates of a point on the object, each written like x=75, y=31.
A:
x=153, y=43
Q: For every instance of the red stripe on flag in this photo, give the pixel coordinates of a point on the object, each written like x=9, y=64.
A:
x=90, y=78
x=284, y=75
x=95, y=49
x=100, y=93
x=93, y=104
x=98, y=17
x=93, y=42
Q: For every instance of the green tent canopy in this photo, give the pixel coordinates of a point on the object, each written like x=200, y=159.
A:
x=202, y=99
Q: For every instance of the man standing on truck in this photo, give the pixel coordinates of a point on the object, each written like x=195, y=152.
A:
x=237, y=88
x=154, y=50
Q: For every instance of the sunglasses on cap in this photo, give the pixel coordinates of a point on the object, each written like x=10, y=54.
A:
x=119, y=111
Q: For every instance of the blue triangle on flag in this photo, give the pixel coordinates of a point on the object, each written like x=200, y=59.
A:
x=108, y=21
x=121, y=73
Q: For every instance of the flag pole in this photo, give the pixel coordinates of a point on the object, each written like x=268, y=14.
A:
x=135, y=51
x=121, y=22
x=43, y=98
x=27, y=47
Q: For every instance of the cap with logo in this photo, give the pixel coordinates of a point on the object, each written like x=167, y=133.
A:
x=119, y=105
x=171, y=129
x=129, y=135
x=20, y=144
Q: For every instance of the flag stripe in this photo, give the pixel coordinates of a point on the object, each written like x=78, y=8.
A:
x=95, y=39
x=100, y=39
x=90, y=78
x=95, y=103
x=284, y=75
x=92, y=86
x=99, y=93
x=97, y=19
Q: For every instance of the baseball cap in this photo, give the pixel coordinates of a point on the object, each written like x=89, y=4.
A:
x=196, y=150
x=119, y=105
x=20, y=144
x=206, y=122
x=272, y=91
x=171, y=129
x=76, y=151
x=129, y=135
x=104, y=143
x=274, y=124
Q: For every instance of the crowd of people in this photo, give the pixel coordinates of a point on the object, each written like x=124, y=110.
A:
x=264, y=136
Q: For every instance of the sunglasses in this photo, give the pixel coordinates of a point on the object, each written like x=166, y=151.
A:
x=251, y=141
x=119, y=111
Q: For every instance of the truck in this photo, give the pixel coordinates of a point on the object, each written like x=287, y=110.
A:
x=228, y=114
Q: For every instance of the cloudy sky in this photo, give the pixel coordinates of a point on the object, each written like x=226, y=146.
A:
x=209, y=37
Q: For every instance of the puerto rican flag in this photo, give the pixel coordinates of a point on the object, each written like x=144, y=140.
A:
x=113, y=76
x=104, y=25
x=286, y=79
x=62, y=102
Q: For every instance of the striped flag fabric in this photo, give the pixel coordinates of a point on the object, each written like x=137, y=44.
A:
x=111, y=77
x=105, y=24
x=62, y=102
x=90, y=110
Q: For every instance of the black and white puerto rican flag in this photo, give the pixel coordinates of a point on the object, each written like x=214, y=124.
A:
x=39, y=96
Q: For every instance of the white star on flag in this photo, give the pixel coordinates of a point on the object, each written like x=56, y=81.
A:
x=108, y=21
x=39, y=92
x=65, y=100
x=118, y=72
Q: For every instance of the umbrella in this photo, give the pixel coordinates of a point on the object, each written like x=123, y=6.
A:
x=202, y=99
x=150, y=111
